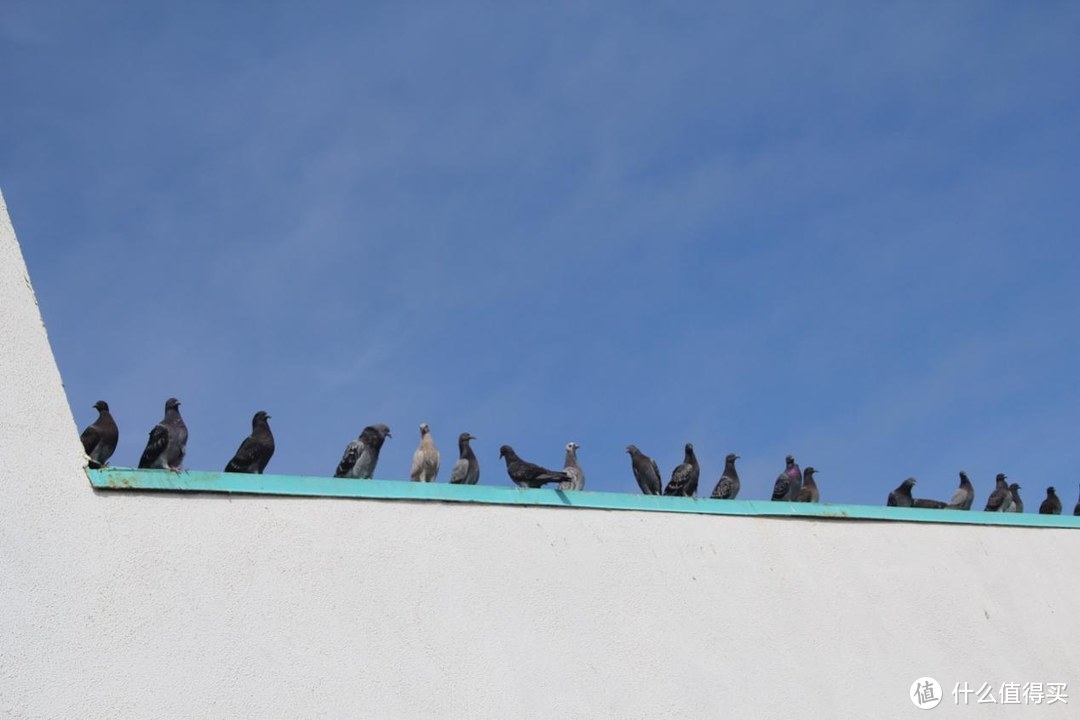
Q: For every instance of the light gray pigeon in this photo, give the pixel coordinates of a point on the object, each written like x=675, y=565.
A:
x=571, y=468
x=256, y=449
x=1052, y=504
x=728, y=486
x=1017, y=504
x=1000, y=499
x=789, y=482
x=99, y=439
x=809, y=492
x=901, y=496
x=466, y=470
x=362, y=455
x=684, y=478
x=964, y=495
x=167, y=444
x=645, y=470
x=425, y=461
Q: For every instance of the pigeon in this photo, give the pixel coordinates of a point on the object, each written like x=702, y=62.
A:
x=684, y=478
x=167, y=443
x=571, y=468
x=645, y=470
x=425, y=461
x=362, y=455
x=1001, y=499
x=901, y=496
x=728, y=486
x=1052, y=504
x=256, y=450
x=928, y=503
x=809, y=491
x=99, y=439
x=789, y=482
x=961, y=499
x=1076, y=510
x=467, y=469
x=1017, y=504
x=525, y=474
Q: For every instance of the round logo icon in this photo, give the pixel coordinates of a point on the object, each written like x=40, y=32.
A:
x=925, y=693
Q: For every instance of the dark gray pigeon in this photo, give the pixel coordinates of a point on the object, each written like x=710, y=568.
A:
x=425, y=461
x=1017, y=504
x=362, y=455
x=1052, y=504
x=684, y=478
x=1076, y=510
x=728, y=486
x=167, y=444
x=901, y=496
x=525, y=474
x=645, y=470
x=1000, y=499
x=789, y=482
x=467, y=468
x=572, y=469
x=256, y=450
x=99, y=439
x=809, y=491
x=964, y=495
x=929, y=504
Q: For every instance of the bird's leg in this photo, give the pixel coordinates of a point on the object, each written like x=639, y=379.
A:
x=176, y=469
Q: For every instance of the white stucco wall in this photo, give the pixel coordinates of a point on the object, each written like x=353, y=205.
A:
x=139, y=605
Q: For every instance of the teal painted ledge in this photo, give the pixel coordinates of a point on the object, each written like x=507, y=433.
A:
x=122, y=479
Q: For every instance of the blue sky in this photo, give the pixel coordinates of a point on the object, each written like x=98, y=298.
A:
x=839, y=231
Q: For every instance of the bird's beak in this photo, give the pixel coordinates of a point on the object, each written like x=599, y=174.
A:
x=472, y=437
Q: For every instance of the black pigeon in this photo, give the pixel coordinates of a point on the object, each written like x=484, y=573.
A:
x=964, y=495
x=809, y=491
x=362, y=454
x=901, y=496
x=525, y=474
x=684, y=478
x=645, y=470
x=1001, y=499
x=789, y=482
x=728, y=486
x=167, y=443
x=467, y=469
x=256, y=450
x=1017, y=504
x=1052, y=504
x=928, y=503
x=99, y=439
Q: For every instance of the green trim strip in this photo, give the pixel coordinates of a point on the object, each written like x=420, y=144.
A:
x=190, y=481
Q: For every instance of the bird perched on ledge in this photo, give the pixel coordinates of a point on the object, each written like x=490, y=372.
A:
x=100, y=438
x=964, y=495
x=572, y=469
x=256, y=449
x=362, y=455
x=466, y=470
x=645, y=470
x=425, y=461
x=809, y=491
x=167, y=444
x=684, y=478
x=727, y=488
x=1000, y=499
x=1052, y=504
x=901, y=496
x=1017, y=504
x=789, y=482
x=527, y=475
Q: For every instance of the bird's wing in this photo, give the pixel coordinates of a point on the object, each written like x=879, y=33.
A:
x=804, y=495
x=782, y=487
x=417, y=463
x=155, y=445
x=892, y=500
x=352, y=454
x=460, y=471
x=722, y=489
x=246, y=454
x=958, y=497
x=680, y=476
x=90, y=437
